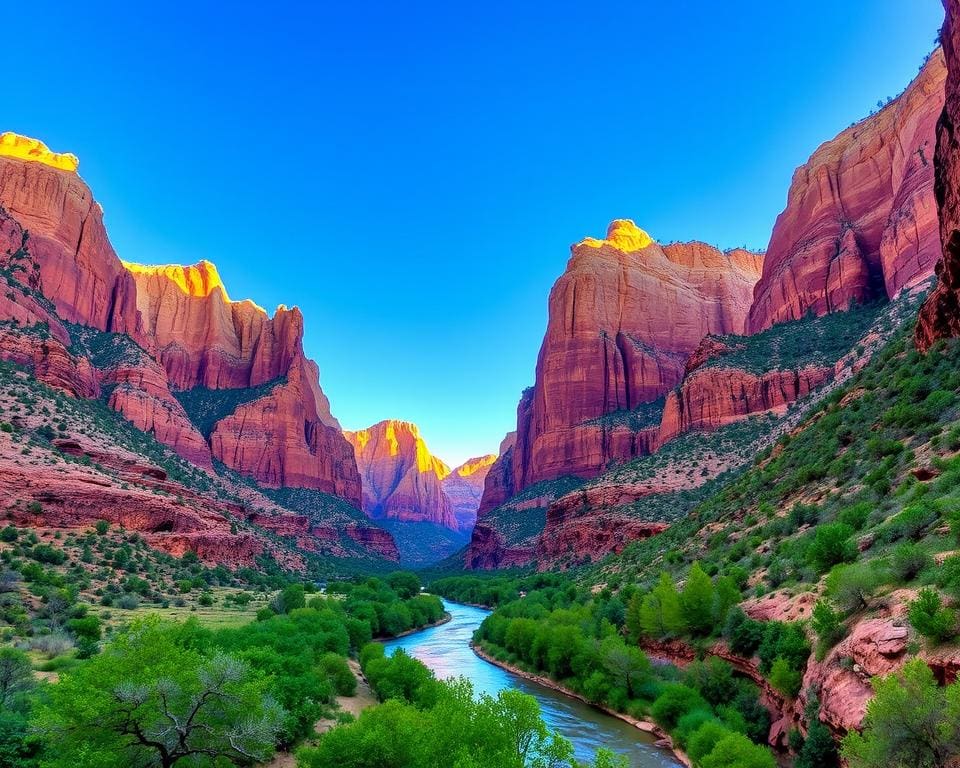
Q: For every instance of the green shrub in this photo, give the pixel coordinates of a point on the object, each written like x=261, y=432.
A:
x=930, y=618
x=784, y=678
x=831, y=545
x=674, y=702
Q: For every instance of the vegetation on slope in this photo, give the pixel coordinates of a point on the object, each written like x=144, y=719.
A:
x=818, y=341
x=206, y=407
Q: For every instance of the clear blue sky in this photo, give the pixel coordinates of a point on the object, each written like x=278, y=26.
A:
x=412, y=174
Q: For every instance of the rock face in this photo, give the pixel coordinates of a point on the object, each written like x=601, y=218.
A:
x=81, y=273
x=142, y=332
x=464, y=488
x=402, y=480
x=203, y=339
x=288, y=438
x=623, y=319
x=860, y=221
x=282, y=440
x=712, y=396
x=141, y=394
x=940, y=315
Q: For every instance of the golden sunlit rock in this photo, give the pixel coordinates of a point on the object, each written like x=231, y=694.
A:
x=623, y=235
x=25, y=148
x=197, y=280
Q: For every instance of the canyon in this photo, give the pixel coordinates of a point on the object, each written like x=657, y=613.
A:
x=646, y=343
x=217, y=381
x=404, y=481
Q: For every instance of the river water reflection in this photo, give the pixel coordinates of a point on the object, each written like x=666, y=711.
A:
x=446, y=650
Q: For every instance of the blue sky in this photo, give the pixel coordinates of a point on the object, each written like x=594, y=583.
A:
x=412, y=174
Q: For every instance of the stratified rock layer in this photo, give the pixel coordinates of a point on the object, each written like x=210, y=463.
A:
x=940, y=315
x=623, y=319
x=402, y=480
x=860, y=221
x=464, y=488
x=288, y=438
x=81, y=273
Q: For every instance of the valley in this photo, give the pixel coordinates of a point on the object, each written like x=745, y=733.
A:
x=723, y=530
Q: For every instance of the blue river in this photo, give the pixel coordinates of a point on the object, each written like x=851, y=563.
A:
x=446, y=650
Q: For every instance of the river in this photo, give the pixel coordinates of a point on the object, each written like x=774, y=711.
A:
x=446, y=650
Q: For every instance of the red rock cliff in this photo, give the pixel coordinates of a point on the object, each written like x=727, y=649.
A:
x=203, y=338
x=940, y=315
x=464, y=487
x=860, y=221
x=623, y=319
x=180, y=315
x=402, y=480
x=81, y=273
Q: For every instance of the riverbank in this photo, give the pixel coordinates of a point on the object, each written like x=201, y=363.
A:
x=446, y=617
x=664, y=741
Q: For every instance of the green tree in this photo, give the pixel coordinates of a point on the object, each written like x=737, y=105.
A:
x=147, y=700
x=627, y=665
x=737, y=751
x=828, y=625
x=16, y=677
x=404, y=583
x=784, y=678
x=660, y=613
x=291, y=597
x=909, y=721
x=930, y=618
x=852, y=586
x=697, y=601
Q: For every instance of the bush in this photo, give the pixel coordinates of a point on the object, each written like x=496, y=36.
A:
x=674, y=702
x=784, y=678
x=831, y=545
x=703, y=741
x=828, y=625
x=743, y=634
x=908, y=561
x=737, y=751
x=852, y=586
x=930, y=618
x=336, y=668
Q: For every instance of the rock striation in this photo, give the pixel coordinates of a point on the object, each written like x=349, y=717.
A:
x=464, y=488
x=623, y=319
x=131, y=336
x=860, y=221
x=402, y=480
x=81, y=273
x=940, y=315
x=288, y=438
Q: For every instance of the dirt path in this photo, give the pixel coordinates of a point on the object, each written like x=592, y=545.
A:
x=355, y=704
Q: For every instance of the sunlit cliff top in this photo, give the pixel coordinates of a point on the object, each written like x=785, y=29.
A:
x=25, y=148
x=623, y=235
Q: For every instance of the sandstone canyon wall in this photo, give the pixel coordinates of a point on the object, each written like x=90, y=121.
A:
x=860, y=224
x=134, y=337
x=287, y=438
x=402, y=480
x=860, y=221
x=623, y=318
x=464, y=488
x=940, y=315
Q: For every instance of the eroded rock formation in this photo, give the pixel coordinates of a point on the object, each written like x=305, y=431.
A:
x=940, y=315
x=860, y=221
x=464, y=488
x=402, y=480
x=623, y=318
